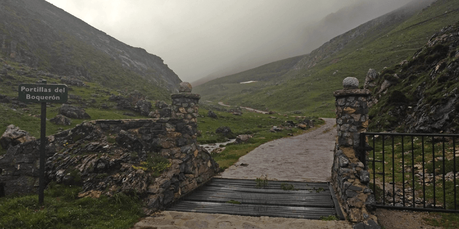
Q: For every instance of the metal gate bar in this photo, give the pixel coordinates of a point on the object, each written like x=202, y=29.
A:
x=436, y=152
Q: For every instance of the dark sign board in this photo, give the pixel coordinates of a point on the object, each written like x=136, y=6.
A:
x=43, y=93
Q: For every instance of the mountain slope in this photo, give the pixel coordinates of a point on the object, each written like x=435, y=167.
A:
x=309, y=85
x=421, y=94
x=43, y=36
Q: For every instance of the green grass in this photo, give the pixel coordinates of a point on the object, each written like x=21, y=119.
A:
x=28, y=118
x=310, y=89
x=233, y=202
x=257, y=125
x=411, y=155
x=287, y=187
x=444, y=220
x=261, y=182
x=63, y=209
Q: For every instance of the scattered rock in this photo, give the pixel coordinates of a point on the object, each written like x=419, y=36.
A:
x=143, y=106
x=238, y=113
x=73, y=112
x=4, y=99
x=302, y=126
x=275, y=129
x=14, y=136
x=161, y=105
x=74, y=82
x=243, y=138
x=61, y=120
x=224, y=130
x=211, y=114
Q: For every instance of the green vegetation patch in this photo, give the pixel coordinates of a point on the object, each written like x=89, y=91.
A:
x=443, y=220
x=255, y=124
x=63, y=209
x=287, y=187
x=404, y=162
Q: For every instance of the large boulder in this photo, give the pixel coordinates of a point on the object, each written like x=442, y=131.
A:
x=61, y=120
x=73, y=112
x=14, y=136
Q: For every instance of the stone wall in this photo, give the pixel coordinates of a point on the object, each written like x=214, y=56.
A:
x=112, y=156
x=350, y=178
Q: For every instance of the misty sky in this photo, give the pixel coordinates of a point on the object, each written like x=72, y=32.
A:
x=197, y=38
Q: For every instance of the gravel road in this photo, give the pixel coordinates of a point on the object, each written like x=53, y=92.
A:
x=307, y=157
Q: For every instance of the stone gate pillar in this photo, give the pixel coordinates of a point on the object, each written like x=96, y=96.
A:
x=349, y=176
x=185, y=107
x=351, y=113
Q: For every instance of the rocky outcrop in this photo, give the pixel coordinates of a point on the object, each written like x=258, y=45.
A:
x=225, y=131
x=134, y=101
x=157, y=159
x=143, y=107
x=420, y=94
x=61, y=120
x=73, y=112
x=14, y=136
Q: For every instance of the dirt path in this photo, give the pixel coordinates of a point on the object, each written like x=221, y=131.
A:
x=306, y=157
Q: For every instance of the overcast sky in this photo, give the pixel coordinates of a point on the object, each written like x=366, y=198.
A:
x=196, y=38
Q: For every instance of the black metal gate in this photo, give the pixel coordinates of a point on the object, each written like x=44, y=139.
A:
x=412, y=171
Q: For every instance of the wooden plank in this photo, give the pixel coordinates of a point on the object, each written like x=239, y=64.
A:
x=318, y=192
x=253, y=210
x=271, y=184
x=339, y=213
x=261, y=198
x=308, y=200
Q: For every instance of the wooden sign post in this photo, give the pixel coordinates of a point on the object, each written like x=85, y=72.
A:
x=42, y=93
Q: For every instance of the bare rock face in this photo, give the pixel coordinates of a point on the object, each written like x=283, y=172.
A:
x=73, y=112
x=14, y=136
x=370, y=78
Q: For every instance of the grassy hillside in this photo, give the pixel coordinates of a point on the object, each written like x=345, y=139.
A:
x=308, y=86
x=45, y=37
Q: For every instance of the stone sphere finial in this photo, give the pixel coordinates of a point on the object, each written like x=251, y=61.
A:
x=351, y=83
x=185, y=87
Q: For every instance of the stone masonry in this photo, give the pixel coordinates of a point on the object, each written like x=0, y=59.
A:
x=106, y=157
x=350, y=178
